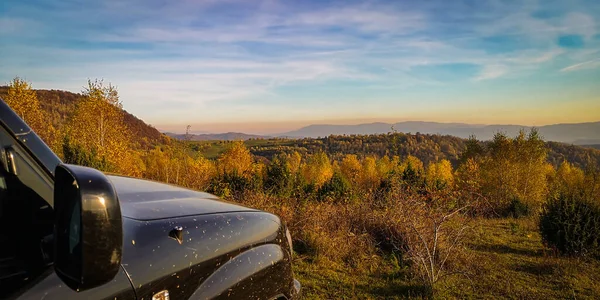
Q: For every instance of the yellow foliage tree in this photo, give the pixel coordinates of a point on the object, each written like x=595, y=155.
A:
x=158, y=165
x=468, y=176
x=569, y=179
x=198, y=173
x=318, y=169
x=369, y=177
x=98, y=129
x=237, y=159
x=414, y=162
x=439, y=174
x=351, y=168
x=23, y=100
x=294, y=161
x=384, y=166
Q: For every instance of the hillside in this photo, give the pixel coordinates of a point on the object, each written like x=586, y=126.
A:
x=229, y=136
x=59, y=105
x=579, y=133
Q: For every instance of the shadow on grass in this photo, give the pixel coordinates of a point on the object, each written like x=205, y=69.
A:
x=403, y=291
x=505, y=249
x=385, y=285
x=538, y=269
x=399, y=284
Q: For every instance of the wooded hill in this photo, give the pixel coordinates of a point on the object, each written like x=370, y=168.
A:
x=60, y=104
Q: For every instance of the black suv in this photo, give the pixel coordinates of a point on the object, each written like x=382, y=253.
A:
x=71, y=232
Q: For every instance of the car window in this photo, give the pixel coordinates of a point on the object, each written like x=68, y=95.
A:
x=28, y=172
x=26, y=217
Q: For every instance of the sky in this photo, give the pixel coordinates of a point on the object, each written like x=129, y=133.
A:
x=271, y=66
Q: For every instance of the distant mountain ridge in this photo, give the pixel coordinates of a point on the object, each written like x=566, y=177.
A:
x=228, y=136
x=576, y=133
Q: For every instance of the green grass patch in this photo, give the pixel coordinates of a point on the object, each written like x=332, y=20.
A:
x=503, y=258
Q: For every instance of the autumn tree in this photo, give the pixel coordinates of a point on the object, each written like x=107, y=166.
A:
x=385, y=165
x=23, y=100
x=568, y=180
x=440, y=175
x=96, y=128
x=318, y=169
x=468, y=182
x=351, y=168
x=369, y=177
x=158, y=165
x=236, y=172
x=513, y=171
x=236, y=160
x=294, y=160
x=199, y=172
x=412, y=171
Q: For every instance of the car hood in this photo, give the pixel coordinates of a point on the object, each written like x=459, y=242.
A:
x=150, y=200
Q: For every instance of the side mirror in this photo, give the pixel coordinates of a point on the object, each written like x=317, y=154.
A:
x=88, y=229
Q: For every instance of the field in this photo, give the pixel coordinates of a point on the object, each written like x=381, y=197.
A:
x=505, y=257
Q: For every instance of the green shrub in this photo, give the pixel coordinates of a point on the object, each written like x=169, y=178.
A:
x=230, y=185
x=75, y=154
x=337, y=188
x=571, y=225
x=279, y=178
x=519, y=208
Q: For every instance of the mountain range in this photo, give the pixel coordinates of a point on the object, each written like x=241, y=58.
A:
x=576, y=133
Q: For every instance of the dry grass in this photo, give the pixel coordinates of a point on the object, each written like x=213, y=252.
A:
x=352, y=251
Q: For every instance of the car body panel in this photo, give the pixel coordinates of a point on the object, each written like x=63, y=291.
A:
x=252, y=243
x=150, y=200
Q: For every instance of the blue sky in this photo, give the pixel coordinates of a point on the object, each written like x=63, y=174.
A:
x=270, y=66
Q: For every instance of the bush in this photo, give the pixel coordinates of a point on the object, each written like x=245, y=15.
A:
x=519, y=208
x=279, y=178
x=337, y=188
x=75, y=154
x=571, y=225
x=229, y=184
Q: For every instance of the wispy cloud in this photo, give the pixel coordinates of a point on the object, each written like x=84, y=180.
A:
x=591, y=64
x=491, y=72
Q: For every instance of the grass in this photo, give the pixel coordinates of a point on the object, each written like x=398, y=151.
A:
x=504, y=258
x=212, y=149
x=508, y=260
x=325, y=280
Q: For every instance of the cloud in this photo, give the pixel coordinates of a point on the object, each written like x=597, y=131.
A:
x=491, y=72
x=363, y=18
x=579, y=23
x=591, y=64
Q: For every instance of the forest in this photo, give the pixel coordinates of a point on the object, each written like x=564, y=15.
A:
x=380, y=216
